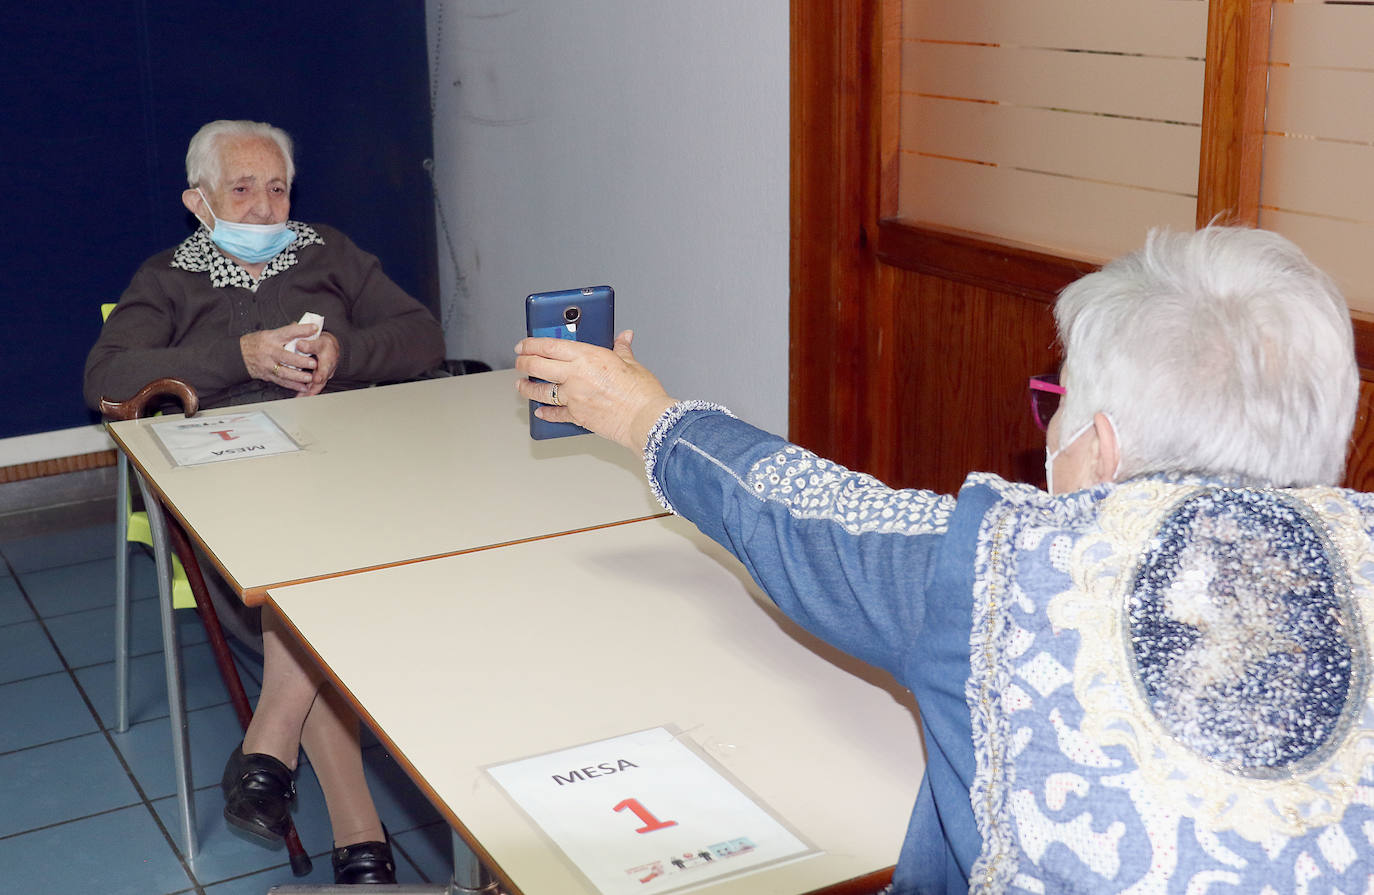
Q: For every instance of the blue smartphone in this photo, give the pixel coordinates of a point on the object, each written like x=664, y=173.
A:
x=582, y=315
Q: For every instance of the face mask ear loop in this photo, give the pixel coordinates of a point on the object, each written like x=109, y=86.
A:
x=213, y=217
x=1050, y=455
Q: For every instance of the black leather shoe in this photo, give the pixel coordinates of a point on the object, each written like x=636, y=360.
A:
x=258, y=792
x=365, y=864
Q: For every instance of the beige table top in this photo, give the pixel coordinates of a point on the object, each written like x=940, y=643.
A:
x=390, y=475
x=501, y=654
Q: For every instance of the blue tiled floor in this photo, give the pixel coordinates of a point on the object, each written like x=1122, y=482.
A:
x=87, y=808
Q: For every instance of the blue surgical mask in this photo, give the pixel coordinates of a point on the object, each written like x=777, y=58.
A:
x=253, y=243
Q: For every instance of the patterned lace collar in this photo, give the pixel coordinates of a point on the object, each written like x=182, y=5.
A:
x=198, y=254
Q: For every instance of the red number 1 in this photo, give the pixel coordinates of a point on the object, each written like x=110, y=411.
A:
x=651, y=823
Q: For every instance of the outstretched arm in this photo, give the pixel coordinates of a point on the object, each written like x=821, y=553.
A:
x=843, y=554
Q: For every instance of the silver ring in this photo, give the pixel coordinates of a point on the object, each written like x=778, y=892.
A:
x=553, y=396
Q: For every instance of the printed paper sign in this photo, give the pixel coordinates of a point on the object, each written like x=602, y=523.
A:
x=231, y=436
x=644, y=813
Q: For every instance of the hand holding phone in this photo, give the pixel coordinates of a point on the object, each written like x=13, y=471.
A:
x=580, y=315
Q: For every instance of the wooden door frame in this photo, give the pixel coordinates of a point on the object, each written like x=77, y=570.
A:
x=833, y=209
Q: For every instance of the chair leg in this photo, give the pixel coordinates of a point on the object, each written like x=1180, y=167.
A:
x=122, y=594
x=171, y=655
x=228, y=671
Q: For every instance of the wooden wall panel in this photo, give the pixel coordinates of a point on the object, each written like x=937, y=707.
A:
x=956, y=402
x=1021, y=343
x=965, y=353
x=40, y=468
x=1359, y=464
x=936, y=364
x=911, y=345
x=911, y=368
x=1233, y=111
x=833, y=193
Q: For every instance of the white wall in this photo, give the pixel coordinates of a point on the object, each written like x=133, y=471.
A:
x=640, y=143
x=52, y=445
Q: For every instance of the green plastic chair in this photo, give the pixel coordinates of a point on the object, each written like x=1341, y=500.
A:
x=138, y=531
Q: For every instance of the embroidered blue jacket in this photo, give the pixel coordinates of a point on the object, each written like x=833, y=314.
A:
x=1153, y=687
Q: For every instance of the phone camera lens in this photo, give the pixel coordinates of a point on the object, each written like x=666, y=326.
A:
x=572, y=314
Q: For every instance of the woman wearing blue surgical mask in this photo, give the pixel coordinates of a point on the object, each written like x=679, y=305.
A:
x=222, y=311
x=247, y=243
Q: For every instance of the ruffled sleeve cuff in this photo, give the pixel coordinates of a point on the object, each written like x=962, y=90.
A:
x=658, y=435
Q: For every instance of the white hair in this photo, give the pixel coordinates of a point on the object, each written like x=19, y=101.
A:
x=203, y=155
x=1223, y=352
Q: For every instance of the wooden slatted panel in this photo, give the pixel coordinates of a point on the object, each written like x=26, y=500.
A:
x=1150, y=154
x=1062, y=215
x=1317, y=185
x=40, y=468
x=1165, y=27
x=1072, y=125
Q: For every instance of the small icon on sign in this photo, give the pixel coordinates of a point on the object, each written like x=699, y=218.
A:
x=732, y=847
x=647, y=872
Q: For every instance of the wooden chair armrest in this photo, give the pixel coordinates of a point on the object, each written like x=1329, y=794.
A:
x=135, y=407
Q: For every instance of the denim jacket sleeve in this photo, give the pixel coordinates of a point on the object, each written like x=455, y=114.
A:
x=844, y=555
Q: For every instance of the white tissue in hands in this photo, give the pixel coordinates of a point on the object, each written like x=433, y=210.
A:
x=314, y=320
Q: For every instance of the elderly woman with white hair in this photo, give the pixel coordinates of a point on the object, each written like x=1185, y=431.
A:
x=223, y=312
x=1155, y=677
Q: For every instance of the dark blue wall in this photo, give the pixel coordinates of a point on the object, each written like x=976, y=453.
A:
x=97, y=103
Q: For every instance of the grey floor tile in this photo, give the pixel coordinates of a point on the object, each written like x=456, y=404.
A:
x=430, y=850
x=25, y=651
x=222, y=852
x=147, y=747
x=40, y=710
x=87, y=637
x=86, y=585
x=113, y=840
x=262, y=883
x=120, y=853
x=148, y=684
x=60, y=781
x=225, y=856
x=60, y=548
x=13, y=607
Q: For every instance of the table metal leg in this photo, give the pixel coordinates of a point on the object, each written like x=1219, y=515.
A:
x=122, y=594
x=469, y=874
x=171, y=656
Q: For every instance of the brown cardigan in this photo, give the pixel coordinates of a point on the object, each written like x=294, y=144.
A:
x=174, y=322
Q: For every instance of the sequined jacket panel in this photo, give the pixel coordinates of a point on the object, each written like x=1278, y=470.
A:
x=1170, y=691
